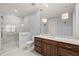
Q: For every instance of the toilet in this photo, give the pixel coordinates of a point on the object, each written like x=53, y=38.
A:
x=25, y=40
x=29, y=44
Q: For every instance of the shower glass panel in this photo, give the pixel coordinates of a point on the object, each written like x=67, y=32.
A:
x=9, y=36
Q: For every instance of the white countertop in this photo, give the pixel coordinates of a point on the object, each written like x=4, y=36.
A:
x=60, y=39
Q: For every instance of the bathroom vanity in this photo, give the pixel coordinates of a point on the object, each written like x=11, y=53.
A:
x=54, y=46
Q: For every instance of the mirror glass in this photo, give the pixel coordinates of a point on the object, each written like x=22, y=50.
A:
x=57, y=19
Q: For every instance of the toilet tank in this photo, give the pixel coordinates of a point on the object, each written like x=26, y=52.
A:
x=24, y=37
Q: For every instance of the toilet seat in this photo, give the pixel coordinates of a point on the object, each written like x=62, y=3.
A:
x=29, y=44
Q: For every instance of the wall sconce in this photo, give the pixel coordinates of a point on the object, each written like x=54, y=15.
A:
x=44, y=20
x=65, y=16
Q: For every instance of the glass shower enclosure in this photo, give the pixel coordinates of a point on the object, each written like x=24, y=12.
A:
x=9, y=35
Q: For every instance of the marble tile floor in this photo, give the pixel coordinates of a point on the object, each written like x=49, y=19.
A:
x=21, y=52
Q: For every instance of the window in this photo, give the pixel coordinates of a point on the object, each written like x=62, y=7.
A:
x=10, y=28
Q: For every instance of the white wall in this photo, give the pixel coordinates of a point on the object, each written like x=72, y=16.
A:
x=35, y=23
x=44, y=28
x=74, y=22
x=26, y=27
x=52, y=26
x=32, y=23
x=0, y=34
x=77, y=20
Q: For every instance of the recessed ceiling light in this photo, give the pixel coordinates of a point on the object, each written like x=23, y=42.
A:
x=15, y=10
x=46, y=5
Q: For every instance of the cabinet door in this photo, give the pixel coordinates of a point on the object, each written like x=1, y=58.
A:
x=53, y=50
x=66, y=52
x=38, y=49
x=44, y=48
x=48, y=50
x=38, y=43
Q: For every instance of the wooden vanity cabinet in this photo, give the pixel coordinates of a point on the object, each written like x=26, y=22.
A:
x=66, y=49
x=37, y=44
x=53, y=50
x=45, y=47
x=66, y=52
x=49, y=47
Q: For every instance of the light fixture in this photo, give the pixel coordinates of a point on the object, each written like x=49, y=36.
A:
x=65, y=16
x=15, y=10
x=44, y=20
x=46, y=5
x=33, y=4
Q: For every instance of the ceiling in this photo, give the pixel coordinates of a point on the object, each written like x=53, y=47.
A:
x=22, y=9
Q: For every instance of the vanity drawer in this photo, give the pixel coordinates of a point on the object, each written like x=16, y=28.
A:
x=38, y=43
x=37, y=39
x=69, y=46
x=66, y=52
x=38, y=49
x=49, y=41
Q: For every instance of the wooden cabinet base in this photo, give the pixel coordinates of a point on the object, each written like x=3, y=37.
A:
x=48, y=47
x=66, y=52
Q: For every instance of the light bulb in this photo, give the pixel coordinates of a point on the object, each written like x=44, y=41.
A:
x=44, y=20
x=65, y=16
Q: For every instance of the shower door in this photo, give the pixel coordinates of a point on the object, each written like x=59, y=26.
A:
x=9, y=39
